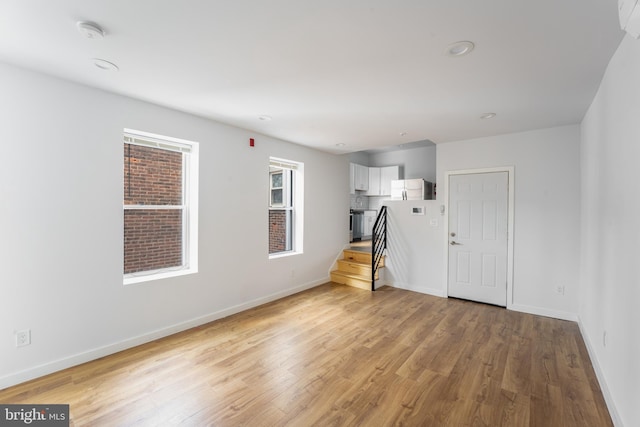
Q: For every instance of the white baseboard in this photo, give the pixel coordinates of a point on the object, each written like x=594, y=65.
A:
x=562, y=315
x=613, y=412
x=556, y=314
x=420, y=289
x=96, y=353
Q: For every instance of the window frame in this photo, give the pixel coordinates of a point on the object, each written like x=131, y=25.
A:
x=292, y=203
x=189, y=206
x=285, y=187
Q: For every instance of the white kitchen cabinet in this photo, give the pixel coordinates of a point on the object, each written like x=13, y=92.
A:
x=361, y=177
x=380, y=180
x=374, y=182
x=388, y=174
x=352, y=178
x=369, y=221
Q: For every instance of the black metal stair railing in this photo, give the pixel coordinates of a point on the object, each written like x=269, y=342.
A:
x=378, y=244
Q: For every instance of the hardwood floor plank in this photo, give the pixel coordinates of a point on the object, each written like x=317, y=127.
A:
x=517, y=373
x=338, y=356
x=420, y=404
x=546, y=406
x=514, y=409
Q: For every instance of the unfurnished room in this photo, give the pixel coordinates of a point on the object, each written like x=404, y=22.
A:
x=337, y=213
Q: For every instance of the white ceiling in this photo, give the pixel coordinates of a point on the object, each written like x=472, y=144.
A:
x=353, y=72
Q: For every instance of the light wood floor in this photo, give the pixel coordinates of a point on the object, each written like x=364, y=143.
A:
x=336, y=355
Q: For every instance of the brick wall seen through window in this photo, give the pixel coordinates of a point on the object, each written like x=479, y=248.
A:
x=277, y=231
x=153, y=237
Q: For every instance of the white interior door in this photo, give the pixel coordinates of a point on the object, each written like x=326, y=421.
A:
x=478, y=225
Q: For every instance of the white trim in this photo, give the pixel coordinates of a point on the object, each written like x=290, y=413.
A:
x=421, y=289
x=96, y=353
x=287, y=197
x=283, y=163
x=540, y=311
x=191, y=163
x=283, y=254
x=163, y=273
x=147, y=139
x=611, y=406
x=510, y=223
x=152, y=207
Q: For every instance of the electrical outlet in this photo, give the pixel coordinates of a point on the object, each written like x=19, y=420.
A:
x=560, y=290
x=23, y=338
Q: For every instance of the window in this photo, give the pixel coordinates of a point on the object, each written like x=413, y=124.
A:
x=277, y=187
x=160, y=206
x=281, y=194
x=285, y=207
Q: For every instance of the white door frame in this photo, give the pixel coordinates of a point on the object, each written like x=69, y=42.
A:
x=510, y=221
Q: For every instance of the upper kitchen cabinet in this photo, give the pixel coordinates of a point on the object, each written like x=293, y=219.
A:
x=360, y=176
x=380, y=180
x=374, y=182
x=388, y=174
x=352, y=178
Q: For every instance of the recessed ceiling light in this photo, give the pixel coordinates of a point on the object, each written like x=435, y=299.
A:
x=104, y=64
x=461, y=48
x=486, y=116
x=264, y=118
x=403, y=134
x=90, y=30
x=340, y=144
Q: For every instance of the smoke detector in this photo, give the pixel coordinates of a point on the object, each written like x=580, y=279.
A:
x=90, y=30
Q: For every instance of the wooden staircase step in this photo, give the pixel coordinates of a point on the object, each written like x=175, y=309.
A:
x=355, y=267
x=360, y=256
x=350, y=279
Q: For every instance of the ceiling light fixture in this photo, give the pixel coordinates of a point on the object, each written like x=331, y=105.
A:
x=340, y=144
x=486, y=116
x=90, y=30
x=103, y=64
x=264, y=118
x=459, y=49
x=403, y=134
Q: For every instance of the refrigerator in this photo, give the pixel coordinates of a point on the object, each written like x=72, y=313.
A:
x=411, y=189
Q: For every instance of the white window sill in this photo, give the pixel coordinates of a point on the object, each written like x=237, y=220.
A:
x=283, y=254
x=147, y=276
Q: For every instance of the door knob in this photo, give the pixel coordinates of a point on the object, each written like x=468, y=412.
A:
x=453, y=234
x=454, y=243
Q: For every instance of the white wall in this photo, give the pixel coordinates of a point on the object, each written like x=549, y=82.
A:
x=547, y=215
x=414, y=162
x=359, y=157
x=415, y=258
x=61, y=224
x=610, y=273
